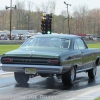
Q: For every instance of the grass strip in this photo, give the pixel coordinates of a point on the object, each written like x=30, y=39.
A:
x=95, y=45
x=6, y=48
x=97, y=98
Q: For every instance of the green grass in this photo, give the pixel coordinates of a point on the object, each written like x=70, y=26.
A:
x=95, y=45
x=6, y=48
x=97, y=98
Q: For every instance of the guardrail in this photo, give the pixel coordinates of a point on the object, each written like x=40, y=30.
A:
x=21, y=41
x=91, y=42
x=11, y=41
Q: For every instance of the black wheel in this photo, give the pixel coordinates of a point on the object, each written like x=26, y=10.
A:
x=92, y=72
x=21, y=78
x=69, y=77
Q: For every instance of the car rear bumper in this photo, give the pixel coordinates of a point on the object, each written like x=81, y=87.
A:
x=39, y=68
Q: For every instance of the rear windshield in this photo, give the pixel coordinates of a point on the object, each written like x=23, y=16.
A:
x=47, y=42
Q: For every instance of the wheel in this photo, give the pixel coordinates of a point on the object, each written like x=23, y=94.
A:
x=21, y=78
x=69, y=77
x=92, y=72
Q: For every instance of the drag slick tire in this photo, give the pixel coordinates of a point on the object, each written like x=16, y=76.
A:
x=92, y=72
x=69, y=77
x=21, y=78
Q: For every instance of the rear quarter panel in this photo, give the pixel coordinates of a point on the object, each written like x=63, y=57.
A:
x=95, y=54
x=71, y=58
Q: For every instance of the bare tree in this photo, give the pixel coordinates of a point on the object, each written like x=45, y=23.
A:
x=39, y=17
x=19, y=14
x=80, y=16
x=4, y=20
x=94, y=15
x=48, y=7
x=83, y=20
x=64, y=25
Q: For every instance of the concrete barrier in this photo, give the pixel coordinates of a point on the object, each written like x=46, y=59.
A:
x=92, y=42
x=21, y=41
x=11, y=41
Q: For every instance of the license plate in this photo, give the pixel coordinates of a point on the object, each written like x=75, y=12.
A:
x=30, y=71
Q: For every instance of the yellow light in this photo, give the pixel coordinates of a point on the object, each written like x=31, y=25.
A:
x=44, y=15
x=43, y=18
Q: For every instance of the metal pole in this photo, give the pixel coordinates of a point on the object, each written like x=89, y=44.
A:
x=68, y=20
x=68, y=16
x=10, y=16
x=28, y=23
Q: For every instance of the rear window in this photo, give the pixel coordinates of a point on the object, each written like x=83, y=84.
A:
x=47, y=42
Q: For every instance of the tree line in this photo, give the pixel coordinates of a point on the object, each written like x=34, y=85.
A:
x=81, y=21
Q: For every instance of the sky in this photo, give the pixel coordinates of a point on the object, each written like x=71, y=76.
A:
x=91, y=4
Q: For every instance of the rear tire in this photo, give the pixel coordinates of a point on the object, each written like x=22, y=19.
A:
x=92, y=72
x=69, y=77
x=21, y=78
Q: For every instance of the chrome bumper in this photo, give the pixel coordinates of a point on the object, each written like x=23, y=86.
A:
x=39, y=68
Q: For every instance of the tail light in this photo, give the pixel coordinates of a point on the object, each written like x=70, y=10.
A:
x=7, y=60
x=53, y=61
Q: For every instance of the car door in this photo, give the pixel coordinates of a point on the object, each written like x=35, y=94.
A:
x=85, y=53
x=77, y=55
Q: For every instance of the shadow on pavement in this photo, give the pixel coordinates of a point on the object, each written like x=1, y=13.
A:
x=22, y=85
x=54, y=83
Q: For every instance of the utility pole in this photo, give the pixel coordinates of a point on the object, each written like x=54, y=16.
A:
x=68, y=15
x=27, y=22
x=10, y=15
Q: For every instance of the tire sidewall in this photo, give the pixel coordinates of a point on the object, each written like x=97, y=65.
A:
x=21, y=78
x=92, y=72
x=67, y=78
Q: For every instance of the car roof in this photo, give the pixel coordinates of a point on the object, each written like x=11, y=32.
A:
x=57, y=35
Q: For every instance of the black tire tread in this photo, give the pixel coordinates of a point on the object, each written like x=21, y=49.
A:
x=21, y=78
x=66, y=78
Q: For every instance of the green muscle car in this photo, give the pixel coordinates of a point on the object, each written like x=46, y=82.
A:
x=49, y=55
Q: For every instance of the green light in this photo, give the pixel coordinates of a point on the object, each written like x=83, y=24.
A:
x=48, y=32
